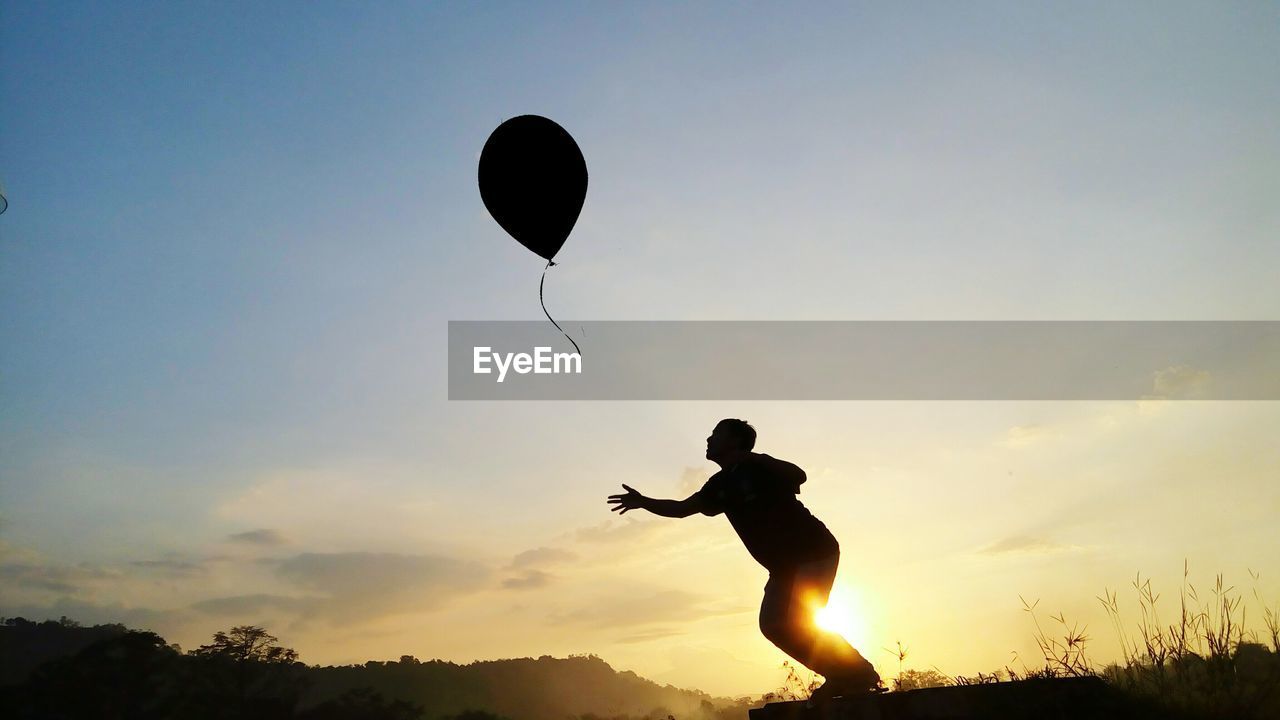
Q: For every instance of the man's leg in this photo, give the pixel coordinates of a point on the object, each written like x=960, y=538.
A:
x=787, y=619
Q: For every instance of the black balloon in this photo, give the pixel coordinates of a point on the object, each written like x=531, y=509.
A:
x=533, y=180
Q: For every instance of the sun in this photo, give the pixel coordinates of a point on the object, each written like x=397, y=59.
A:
x=843, y=615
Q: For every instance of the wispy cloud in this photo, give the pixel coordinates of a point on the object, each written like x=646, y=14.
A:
x=264, y=537
x=542, y=557
x=1179, y=382
x=631, y=609
x=34, y=575
x=528, y=580
x=647, y=635
x=692, y=479
x=370, y=585
x=1025, y=544
x=1024, y=435
x=172, y=568
x=611, y=531
x=240, y=606
x=167, y=622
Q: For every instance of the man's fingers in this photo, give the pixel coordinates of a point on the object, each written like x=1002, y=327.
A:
x=627, y=487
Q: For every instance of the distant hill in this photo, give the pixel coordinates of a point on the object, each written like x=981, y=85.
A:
x=60, y=659
x=26, y=645
x=527, y=689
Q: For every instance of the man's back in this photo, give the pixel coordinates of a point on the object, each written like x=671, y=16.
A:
x=758, y=495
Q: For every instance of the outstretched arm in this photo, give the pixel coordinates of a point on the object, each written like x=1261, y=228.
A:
x=666, y=508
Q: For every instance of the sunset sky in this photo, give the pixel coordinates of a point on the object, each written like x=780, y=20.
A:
x=236, y=234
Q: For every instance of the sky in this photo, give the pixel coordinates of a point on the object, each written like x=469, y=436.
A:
x=236, y=234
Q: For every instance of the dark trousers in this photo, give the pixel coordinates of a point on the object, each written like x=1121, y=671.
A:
x=791, y=598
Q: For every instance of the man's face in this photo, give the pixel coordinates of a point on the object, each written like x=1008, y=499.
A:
x=720, y=443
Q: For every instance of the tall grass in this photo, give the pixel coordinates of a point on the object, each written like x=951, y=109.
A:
x=1205, y=661
x=1065, y=657
x=793, y=687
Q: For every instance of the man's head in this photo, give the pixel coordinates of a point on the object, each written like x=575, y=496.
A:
x=729, y=439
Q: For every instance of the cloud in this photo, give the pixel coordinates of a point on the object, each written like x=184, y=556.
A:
x=628, y=610
x=646, y=635
x=530, y=562
x=354, y=504
x=264, y=537
x=610, y=531
x=320, y=589
x=257, y=603
x=529, y=580
x=692, y=479
x=16, y=553
x=164, y=622
x=542, y=556
x=37, y=577
x=362, y=585
x=174, y=568
x=1179, y=382
x=63, y=579
x=1024, y=544
x=1023, y=435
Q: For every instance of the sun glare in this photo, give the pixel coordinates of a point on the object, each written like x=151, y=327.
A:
x=843, y=615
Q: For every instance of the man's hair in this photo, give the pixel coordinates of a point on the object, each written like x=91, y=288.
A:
x=741, y=430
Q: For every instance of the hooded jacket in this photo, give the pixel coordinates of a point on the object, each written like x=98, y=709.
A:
x=758, y=495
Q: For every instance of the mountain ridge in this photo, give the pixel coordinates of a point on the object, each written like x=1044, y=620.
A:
x=577, y=687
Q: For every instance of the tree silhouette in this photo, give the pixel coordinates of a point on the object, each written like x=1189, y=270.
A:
x=245, y=673
x=245, y=644
x=129, y=677
x=26, y=645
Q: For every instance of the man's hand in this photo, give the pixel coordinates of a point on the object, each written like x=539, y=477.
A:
x=631, y=500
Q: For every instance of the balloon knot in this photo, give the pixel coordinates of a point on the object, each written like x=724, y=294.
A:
x=551, y=263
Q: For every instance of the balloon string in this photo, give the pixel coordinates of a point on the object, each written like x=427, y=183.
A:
x=544, y=308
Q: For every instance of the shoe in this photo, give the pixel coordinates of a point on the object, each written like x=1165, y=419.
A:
x=862, y=683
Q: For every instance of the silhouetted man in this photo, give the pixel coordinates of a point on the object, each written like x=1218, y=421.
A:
x=758, y=495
